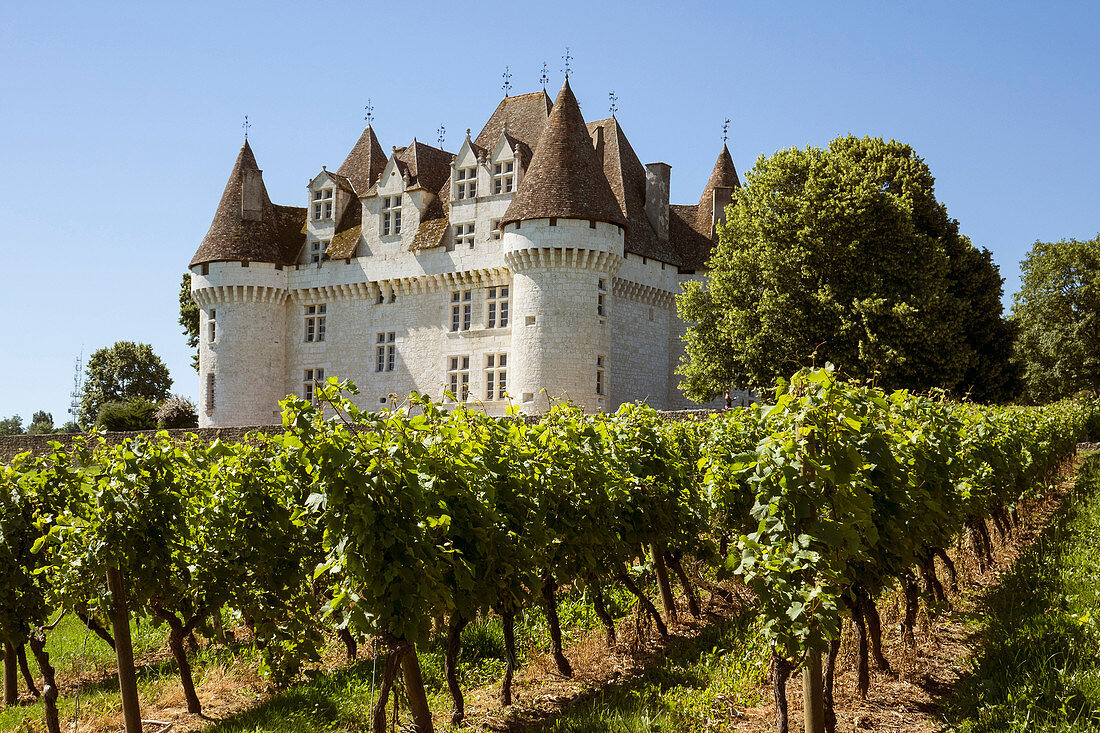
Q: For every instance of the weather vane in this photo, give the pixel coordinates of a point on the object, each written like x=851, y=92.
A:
x=245, y=126
x=614, y=102
x=544, y=79
x=725, y=131
x=441, y=135
x=369, y=116
x=568, y=59
x=507, y=77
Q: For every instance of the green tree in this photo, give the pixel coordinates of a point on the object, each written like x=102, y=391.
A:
x=11, y=425
x=120, y=373
x=1057, y=312
x=841, y=255
x=41, y=423
x=189, y=317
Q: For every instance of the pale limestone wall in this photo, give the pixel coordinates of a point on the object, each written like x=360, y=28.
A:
x=247, y=357
x=639, y=352
x=558, y=335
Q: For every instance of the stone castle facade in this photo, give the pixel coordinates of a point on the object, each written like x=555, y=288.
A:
x=540, y=262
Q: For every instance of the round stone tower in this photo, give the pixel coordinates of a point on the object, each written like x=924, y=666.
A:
x=239, y=282
x=563, y=238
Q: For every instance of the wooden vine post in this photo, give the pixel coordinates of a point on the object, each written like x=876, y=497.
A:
x=124, y=653
x=11, y=690
x=414, y=688
x=813, y=697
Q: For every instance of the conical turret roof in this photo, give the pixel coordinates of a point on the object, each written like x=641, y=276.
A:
x=364, y=163
x=724, y=175
x=276, y=237
x=565, y=178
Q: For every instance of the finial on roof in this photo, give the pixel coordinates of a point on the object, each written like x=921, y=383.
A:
x=441, y=135
x=507, y=77
x=369, y=108
x=568, y=59
x=725, y=130
x=245, y=127
x=467, y=133
x=544, y=78
x=614, y=106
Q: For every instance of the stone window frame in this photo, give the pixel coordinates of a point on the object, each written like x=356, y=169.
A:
x=322, y=203
x=462, y=310
x=504, y=177
x=496, y=370
x=466, y=183
x=601, y=298
x=391, y=215
x=601, y=376
x=317, y=250
x=385, y=351
x=212, y=326
x=458, y=377
x=211, y=384
x=494, y=228
x=316, y=316
x=462, y=236
x=310, y=379
x=497, y=313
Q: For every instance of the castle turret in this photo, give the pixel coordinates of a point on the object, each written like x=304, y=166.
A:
x=718, y=191
x=563, y=240
x=239, y=282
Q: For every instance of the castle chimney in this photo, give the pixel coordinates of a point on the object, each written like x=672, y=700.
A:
x=657, y=179
x=252, y=194
x=597, y=142
x=722, y=196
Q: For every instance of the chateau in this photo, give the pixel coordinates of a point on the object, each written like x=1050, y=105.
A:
x=538, y=263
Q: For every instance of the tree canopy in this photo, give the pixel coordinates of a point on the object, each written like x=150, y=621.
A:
x=1057, y=313
x=844, y=255
x=189, y=317
x=121, y=373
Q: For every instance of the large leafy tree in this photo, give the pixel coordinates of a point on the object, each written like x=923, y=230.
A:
x=189, y=317
x=843, y=255
x=1057, y=312
x=120, y=373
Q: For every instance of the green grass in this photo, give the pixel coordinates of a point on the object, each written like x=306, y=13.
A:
x=695, y=686
x=1038, y=667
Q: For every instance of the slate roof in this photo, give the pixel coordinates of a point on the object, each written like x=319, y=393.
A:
x=626, y=176
x=724, y=175
x=523, y=117
x=277, y=237
x=365, y=162
x=692, y=241
x=565, y=178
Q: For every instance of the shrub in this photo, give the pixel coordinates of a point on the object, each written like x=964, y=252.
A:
x=177, y=412
x=136, y=414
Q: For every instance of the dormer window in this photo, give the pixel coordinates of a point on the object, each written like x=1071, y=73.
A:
x=317, y=251
x=322, y=204
x=391, y=215
x=504, y=177
x=466, y=183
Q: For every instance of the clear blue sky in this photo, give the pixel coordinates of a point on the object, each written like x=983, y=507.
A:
x=119, y=122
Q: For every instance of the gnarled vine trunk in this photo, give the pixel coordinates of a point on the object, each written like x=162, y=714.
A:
x=874, y=630
x=389, y=672
x=912, y=598
x=97, y=628
x=450, y=666
x=351, y=646
x=49, y=682
x=668, y=601
x=11, y=679
x=829, y=673
x=509, y=621
x=550, y=604
x=949, y=566
x=781, y=672
x=414, y=690
x=601, y=611
x=689, y=591
x=863, y=674
x=21, y=655
x=626, y=580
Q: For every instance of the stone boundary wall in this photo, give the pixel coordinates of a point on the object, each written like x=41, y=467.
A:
x=13, y=445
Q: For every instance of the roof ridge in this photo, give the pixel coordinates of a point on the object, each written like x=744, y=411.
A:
x=565, y=179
